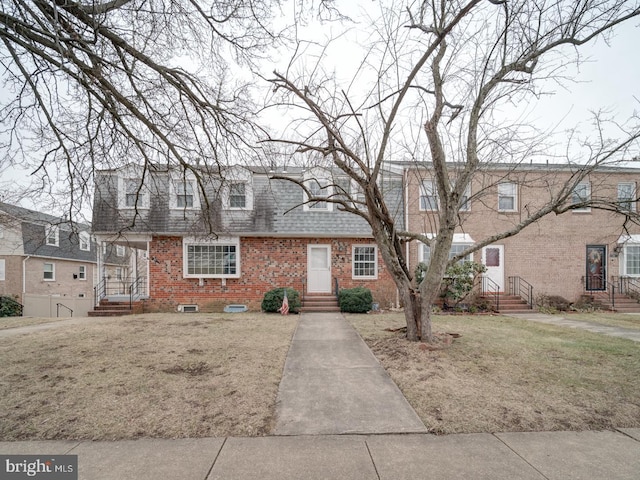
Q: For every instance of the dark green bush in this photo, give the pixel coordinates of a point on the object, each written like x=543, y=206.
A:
x=355, y=300
x=272, y=300
x=9, y=307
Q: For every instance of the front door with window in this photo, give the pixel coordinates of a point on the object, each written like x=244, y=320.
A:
x=596, y=275
x=493, y=259
x=319, y=269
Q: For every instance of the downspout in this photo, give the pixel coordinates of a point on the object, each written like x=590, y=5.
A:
x=24, y=276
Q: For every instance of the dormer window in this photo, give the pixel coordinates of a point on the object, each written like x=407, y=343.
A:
x=319, y=186
x=184, y=193
x=237, y=189
x=133, y=194
x=52, y=234
x=238, y=195
x=85, y=241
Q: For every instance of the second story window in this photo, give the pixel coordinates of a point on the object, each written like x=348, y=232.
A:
x=49, y=272
x=627, y=196
x=52, y=233
x=184, y=195
x=238, y=195
x=581, y=194
x=507, y=197
x=85, y=241
x=428, y=196
x=132, y=194
x=82, y=272
x=120, y=250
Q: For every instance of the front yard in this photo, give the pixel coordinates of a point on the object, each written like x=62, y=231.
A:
x=198, y=375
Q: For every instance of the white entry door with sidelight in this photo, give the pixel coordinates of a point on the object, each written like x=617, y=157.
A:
x=319, y=269
x=493, y=260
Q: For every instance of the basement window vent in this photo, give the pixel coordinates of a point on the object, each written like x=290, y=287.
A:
x=187, y=308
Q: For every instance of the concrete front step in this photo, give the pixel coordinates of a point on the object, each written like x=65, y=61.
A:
x=320, y=303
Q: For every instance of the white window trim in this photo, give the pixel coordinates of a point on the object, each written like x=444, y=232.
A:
x=325, y=184
x=53, y=272
x=174, y=181
x=142, y=202
x=514, y=195
x=82, y=272
x=583, y=209
x=56, y=231
x=248, y=195
x=189, y=241
x=353, y=262
x=120, y=251
x=2, y=270
x=633, y=195
x=424, y=193
x=84, y=237
x=458, y=239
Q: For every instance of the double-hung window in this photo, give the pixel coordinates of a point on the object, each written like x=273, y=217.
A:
x=52, y=233
x=184, y=195
x=318, y=188
x=365, y=262
x=85, y=241
x=428, y=196
x=134, y=194
x=217, y=259
x=49, y=272
x=581, y=193
x=507, y=197
x=2, y=269
x=237, y=195
x=82, y=272
x=632, y=260
x=627, y=196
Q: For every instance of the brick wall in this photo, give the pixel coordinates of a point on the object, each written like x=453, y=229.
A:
x=551, y=253
x=266, y=263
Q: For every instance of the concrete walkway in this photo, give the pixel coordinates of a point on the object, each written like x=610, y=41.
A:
x=332, y=385
x=620, y=332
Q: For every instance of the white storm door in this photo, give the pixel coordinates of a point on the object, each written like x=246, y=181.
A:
x=319, y=269
x=493, y=259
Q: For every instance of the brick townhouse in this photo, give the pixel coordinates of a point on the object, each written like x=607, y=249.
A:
x=246, y=235
x=584, y=251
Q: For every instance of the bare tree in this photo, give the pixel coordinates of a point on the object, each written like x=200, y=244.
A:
x=100, y=84
x=430, y=89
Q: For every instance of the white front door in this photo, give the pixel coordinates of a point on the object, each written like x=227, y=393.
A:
x=319, y=269
x=493, y=259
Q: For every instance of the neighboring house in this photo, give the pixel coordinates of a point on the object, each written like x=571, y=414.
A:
x=245, y=235
x=50, y=265
x=46, y=261
x=584, y=251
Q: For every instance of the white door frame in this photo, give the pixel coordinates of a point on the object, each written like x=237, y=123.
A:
x=495, y=273
x=319, y=275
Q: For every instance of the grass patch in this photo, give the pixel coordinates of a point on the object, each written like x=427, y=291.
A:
x=506, y=374
x=153, y=375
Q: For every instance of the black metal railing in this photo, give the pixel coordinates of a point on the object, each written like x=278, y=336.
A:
x=10, y=307
x=598, y=285
x=58, y=305
x=491, y=288
x=519, y=287
x=629, y=286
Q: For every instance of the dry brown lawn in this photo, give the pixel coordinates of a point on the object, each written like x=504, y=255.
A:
x=158, y=375
x=505, y=374
x=15, y=322
x=624, y=320
x=196, y=375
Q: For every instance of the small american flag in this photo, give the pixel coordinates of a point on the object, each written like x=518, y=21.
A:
x=284, y=309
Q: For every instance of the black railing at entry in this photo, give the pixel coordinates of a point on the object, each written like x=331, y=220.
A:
x=521, y=288
x=491, y=288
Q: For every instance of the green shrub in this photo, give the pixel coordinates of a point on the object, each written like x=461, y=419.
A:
x=272, y=300
x=355, y=300
x=9, y=307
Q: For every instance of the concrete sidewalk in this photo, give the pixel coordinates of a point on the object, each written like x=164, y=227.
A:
x=611, y=455
x=332, y=385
